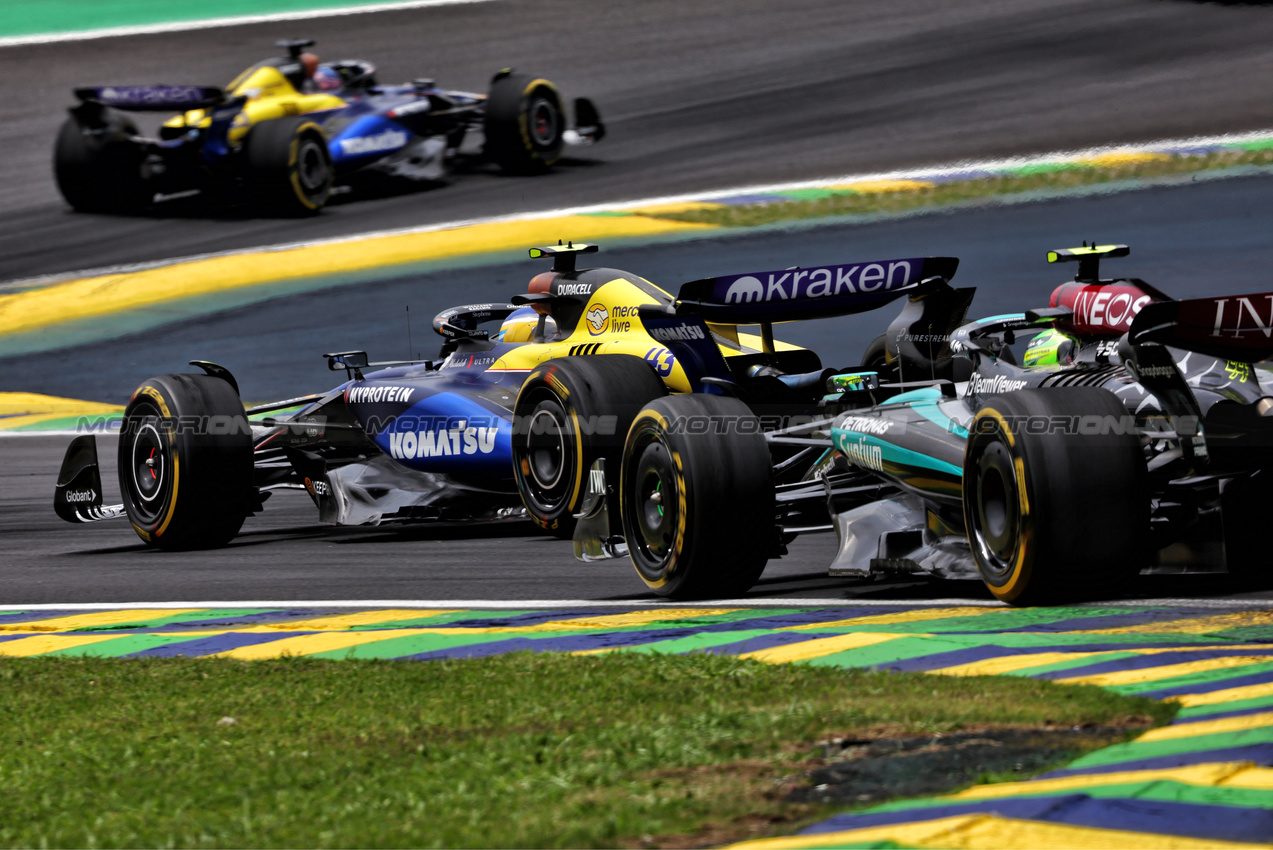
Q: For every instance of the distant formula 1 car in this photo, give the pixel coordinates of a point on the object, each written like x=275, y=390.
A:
x=287, y=129
x=1136, y=436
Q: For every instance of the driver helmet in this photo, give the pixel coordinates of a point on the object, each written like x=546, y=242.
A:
x=309, y=64
x=1050, y=348
x=327, y=78
x=520, y=326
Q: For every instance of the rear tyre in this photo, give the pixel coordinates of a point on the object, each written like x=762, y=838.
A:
x=570, y=412
x=697, y=497
x=1056, y=501
x=185, y=462
x=525, y=124
x=289, y=166
x=100, y=170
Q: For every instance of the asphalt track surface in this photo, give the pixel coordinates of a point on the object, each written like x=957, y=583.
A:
x=1187, y=239
x=696, y=95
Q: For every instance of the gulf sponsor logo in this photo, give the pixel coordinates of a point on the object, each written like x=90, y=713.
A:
x=378, y=393
x=460, y=439
x=822, y=282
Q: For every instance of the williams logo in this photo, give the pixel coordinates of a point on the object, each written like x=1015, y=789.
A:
x=598, y=319
x=386, y=141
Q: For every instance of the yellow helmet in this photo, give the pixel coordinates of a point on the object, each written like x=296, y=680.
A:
x=520, y=326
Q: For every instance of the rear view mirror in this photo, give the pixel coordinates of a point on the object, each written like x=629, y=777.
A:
x=346, y=360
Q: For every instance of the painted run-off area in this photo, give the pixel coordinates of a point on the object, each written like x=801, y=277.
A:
x=1205, y=780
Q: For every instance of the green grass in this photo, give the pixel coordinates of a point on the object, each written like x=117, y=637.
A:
x=1036, y=179
x=526, y=750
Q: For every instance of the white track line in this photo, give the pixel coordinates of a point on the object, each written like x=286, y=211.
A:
x=917, y=173
x=510, y=604
x=213, y=23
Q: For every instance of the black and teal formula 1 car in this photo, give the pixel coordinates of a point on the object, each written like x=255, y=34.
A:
x=1134, y=435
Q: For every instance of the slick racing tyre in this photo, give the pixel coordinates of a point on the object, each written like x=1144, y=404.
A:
x=570, y=412
x=185, y=462
x=289, y=166
x=100, y=170
x=1055, y=495
x=696, y=497
x=525, y=123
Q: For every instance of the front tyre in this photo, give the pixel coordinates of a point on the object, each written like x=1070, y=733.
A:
x=570, y=412
x=697, y=497
x=1055, y=493
x=185, y=462
x=289, y=166
x=525, y=123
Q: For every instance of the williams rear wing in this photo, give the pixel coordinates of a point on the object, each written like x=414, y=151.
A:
x=153, y=98
x=808, y=293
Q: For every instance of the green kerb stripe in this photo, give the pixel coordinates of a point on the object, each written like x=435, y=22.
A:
x=1135, y=751
x=31, y=17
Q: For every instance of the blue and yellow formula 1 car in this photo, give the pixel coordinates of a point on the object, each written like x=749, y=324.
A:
x=532, y=420
x=287, y=129
x=1136, y=436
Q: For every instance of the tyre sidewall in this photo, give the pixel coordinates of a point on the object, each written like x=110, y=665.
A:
x=1083, y=498
x=723, y=499
x=599, y=395
x=514, y=104
x=290, y=165
x=207, y=445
